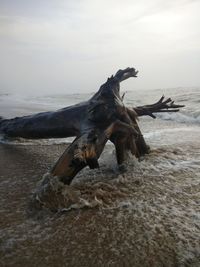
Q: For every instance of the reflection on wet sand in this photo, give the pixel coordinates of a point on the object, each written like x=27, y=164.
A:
x=148, y=216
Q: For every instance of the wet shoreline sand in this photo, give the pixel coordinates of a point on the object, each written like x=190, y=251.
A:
x=148, y=216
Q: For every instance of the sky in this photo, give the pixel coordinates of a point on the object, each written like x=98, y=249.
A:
x=72, y=46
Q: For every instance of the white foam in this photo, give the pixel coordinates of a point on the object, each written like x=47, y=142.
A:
x=180, y=117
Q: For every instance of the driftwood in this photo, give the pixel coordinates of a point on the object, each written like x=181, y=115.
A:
x=103, y=117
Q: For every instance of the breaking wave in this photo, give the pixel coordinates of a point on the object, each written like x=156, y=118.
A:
x=180, y=117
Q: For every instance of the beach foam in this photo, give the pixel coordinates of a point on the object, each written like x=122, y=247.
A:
x=146, y=216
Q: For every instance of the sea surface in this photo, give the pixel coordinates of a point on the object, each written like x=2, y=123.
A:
x=167, y=128
x=148, y=216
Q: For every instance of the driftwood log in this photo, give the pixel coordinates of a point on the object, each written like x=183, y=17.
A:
x=103, y=117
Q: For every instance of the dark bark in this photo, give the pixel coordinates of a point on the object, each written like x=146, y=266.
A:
x=103, y=117
x=158, y=107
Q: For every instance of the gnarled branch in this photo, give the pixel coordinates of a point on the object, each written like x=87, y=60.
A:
x=103, y=117
x=160, y=106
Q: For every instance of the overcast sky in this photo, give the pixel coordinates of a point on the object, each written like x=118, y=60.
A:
x=50, y=46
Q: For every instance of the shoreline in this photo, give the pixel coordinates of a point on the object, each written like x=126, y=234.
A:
x=155, y=222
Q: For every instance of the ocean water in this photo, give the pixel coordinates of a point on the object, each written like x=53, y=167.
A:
x=159, y=131
x=148, y=216
x=178, y=130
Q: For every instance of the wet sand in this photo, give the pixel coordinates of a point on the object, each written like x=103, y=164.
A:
x=149, y=216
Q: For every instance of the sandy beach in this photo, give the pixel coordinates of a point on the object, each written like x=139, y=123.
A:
x=148, y=216
x=89, y=73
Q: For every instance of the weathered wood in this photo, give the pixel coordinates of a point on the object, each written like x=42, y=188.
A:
x=103, y=117
x=158, y=107
x=85, y=150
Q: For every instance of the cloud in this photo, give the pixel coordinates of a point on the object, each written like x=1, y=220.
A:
x=76, y=44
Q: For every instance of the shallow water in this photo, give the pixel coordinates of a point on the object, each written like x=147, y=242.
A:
x=148, y=216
